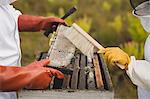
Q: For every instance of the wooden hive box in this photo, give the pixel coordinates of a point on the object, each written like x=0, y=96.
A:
x=90, y=80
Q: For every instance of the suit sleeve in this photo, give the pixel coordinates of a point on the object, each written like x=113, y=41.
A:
x=139, y=73
x=6, y=2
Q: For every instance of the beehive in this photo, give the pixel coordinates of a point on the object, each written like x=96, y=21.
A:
x=90, y=79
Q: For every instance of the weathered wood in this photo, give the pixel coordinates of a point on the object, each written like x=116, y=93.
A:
x=52, y=83
x=69, y=76
x=64, y=85
x=95, y=76
x=67, y=79
x=66, y=82
x=82, y=76
x=57, y=83
x=65, y=94
x=106, y=77
x=90, y=75
x=74, y=79
x=98, y=75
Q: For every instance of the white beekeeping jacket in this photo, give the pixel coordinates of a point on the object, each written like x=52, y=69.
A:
x=10, y=53
x=6, y=2
x=139, y=73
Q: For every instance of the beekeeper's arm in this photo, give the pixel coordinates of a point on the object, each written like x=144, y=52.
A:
x=32, y=76
x=137, y=70
x=28, y=23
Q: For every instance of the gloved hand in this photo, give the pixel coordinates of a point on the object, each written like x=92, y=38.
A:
x=33, y=76
x=27, y=23
x=115, y=56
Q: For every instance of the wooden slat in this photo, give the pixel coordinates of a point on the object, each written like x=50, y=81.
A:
x=74, y=79
x=51, y=84
x=82, y=76
x=98, y=75
x=105, y=72
x=64, y=85
x=66, y=82
x=64, y=94
x=67, y=79
x=90, y=76
x=57, y=83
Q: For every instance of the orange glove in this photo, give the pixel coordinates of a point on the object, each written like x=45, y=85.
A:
x=32, y=76
x=27, y=23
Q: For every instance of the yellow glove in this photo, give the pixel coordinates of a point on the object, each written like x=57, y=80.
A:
x=115, y=56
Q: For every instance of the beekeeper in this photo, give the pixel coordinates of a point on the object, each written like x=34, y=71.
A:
x=32, y=76
x=137, y=70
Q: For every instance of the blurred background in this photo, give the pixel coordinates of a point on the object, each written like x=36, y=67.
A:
x=110, y=22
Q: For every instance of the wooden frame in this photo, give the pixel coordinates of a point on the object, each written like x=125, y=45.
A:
x=90, y=80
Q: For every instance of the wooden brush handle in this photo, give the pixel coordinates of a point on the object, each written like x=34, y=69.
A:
x=69, y=12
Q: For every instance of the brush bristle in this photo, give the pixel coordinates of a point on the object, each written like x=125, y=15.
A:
x=81, y=42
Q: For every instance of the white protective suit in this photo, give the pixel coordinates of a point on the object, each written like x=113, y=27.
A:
x=139, y=73
x=139, y=70
x=6, y=2
x=10, y=53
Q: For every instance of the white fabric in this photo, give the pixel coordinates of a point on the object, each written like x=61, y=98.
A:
x=139, y=73
x=145, y=21
x=143, y=94
x=6, y=2
x=147, y=49
x=10, y=53
x=143, y=9
x=144, y=18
